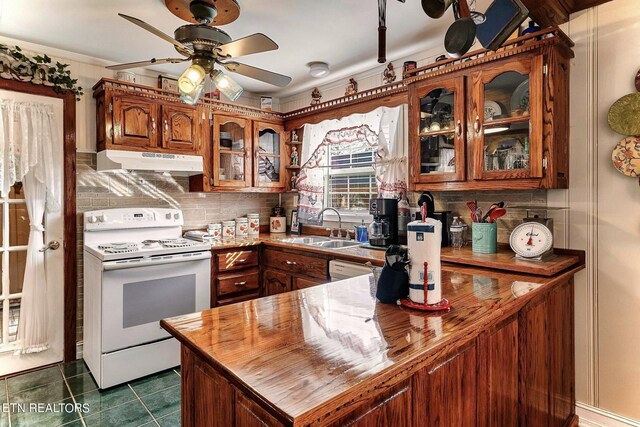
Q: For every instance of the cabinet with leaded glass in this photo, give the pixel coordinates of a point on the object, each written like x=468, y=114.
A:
x=437, y=118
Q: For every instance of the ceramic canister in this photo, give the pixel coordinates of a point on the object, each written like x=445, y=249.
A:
x=484, y=237
x=254, y=224
x=215, y=231
x=242, y=228
x=228, y=230
x=278, y=224
x=424, y=241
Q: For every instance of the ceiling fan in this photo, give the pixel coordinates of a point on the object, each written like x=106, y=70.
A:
x=205, y=46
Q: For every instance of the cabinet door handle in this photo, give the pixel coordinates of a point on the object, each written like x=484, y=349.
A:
x=246, y=154
x=476, y=125
x=290, y=262
x=240, y=283
x=166, y=126
x=153, y=124
x=459, y=129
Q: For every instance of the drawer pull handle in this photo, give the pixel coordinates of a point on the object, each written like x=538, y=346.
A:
x=240, y=261
x=240, y=283
x=290, y=262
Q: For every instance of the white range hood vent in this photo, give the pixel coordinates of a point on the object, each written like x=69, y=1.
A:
x=175, y=164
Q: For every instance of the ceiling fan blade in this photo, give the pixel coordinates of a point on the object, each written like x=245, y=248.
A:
x=154, y=30
x=254, y=43
x=258, y=73
x=143, y=63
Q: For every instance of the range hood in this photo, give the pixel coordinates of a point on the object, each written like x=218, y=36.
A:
x=175, y=164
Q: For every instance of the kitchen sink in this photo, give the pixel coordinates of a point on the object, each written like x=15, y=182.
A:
x=335, y=244
x=305, y=240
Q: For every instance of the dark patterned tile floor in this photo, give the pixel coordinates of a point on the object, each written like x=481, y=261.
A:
x=47, y=397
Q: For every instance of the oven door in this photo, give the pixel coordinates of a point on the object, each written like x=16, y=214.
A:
x=137, y=293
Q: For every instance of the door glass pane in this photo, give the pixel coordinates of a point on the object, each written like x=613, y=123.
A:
x=14, y=318
x=18, y=224
x=269, y=169
x=231, y=167
x=437, y=154
x=506, y=122
x=437, y=132
x=17, y=262
x=269, y=141
x=232, y=136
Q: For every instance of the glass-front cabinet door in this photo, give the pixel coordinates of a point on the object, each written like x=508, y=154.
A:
x=231, y=152
x=507, y=121
x=269, y=155
x=438, y=142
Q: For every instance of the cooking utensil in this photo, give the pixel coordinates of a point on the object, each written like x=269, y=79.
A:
x=472, y=210
x=497, y=213
x=637, y=81
x=462, y=33
x=491, y=208
x=502, y=18
x=436, y=8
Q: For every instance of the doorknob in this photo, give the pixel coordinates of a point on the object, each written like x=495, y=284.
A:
x=53, y=245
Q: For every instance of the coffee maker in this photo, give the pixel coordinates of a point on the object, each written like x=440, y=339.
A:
x=383, y=231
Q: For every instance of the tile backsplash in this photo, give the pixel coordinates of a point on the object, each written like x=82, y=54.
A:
x=99, y=190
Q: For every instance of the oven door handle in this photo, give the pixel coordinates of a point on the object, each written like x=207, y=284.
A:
x=157, y=260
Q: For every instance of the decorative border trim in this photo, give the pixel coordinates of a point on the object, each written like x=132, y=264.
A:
x=595, y=417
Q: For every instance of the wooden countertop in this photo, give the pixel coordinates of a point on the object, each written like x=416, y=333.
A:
x=299, y=352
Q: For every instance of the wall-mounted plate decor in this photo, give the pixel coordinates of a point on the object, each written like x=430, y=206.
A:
x=624, y=115
x=626, y=156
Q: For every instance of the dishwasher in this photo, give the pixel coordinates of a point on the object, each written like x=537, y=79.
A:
x=340, y=270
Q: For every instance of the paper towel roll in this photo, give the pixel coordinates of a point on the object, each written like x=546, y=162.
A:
x=424, y=242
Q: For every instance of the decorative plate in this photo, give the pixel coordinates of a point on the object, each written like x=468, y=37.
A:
x=626, y=156
x=624, y=115
x=491, y=110
x=520, y=97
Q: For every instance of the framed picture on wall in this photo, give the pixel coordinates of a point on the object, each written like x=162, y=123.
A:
x=294, y=226
x=168, y=83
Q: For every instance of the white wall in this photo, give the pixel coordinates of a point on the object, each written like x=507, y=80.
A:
x=605, y=211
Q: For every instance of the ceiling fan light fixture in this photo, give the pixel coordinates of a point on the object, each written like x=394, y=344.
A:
x=318, y=69
x=192, y=98
x=191, y=78
x=226, y=85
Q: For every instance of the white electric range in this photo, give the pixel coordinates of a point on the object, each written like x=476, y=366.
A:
x=138, y=270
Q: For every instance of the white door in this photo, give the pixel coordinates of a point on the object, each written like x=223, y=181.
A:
x=14, y=235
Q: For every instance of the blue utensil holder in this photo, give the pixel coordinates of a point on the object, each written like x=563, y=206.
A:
x=484, y=237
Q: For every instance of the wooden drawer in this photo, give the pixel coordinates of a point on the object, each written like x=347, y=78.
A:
x=234, y=260
x=238, y=298
x=305, y=282
x=238, y=282
x=304, y=265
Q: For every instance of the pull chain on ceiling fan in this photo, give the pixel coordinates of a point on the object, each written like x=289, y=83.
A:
x=382, y=30
x=205, y=46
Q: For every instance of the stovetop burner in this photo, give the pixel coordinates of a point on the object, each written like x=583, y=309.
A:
x=119, y=248
x=176, y=243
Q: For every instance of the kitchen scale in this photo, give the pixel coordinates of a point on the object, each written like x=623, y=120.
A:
x=533, y=239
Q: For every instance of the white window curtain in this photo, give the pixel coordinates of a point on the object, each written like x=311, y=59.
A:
x=29, y=153
x=391, y=158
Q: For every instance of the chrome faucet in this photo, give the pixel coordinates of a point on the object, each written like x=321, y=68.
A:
x=321, y=219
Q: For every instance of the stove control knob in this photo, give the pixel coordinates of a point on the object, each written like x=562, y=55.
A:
x=92, y=219
x=100, y=218
x=176, y=216
x=168, y=216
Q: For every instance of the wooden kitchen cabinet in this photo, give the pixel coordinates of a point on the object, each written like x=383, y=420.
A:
x=492, y=122
x=306, y=282
x=231, y=147
x=235, y=276
x=275, y=282
x=138, y=121
x=270, y=155
x=439, y=147
x=181, y=128
x=134, y=122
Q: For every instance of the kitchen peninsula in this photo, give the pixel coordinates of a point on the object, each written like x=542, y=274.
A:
x=332, y=355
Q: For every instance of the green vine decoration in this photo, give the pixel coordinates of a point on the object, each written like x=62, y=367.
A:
x=39, y=69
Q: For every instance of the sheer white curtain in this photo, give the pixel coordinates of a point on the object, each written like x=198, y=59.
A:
x=391, y=165
x=29, y=153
